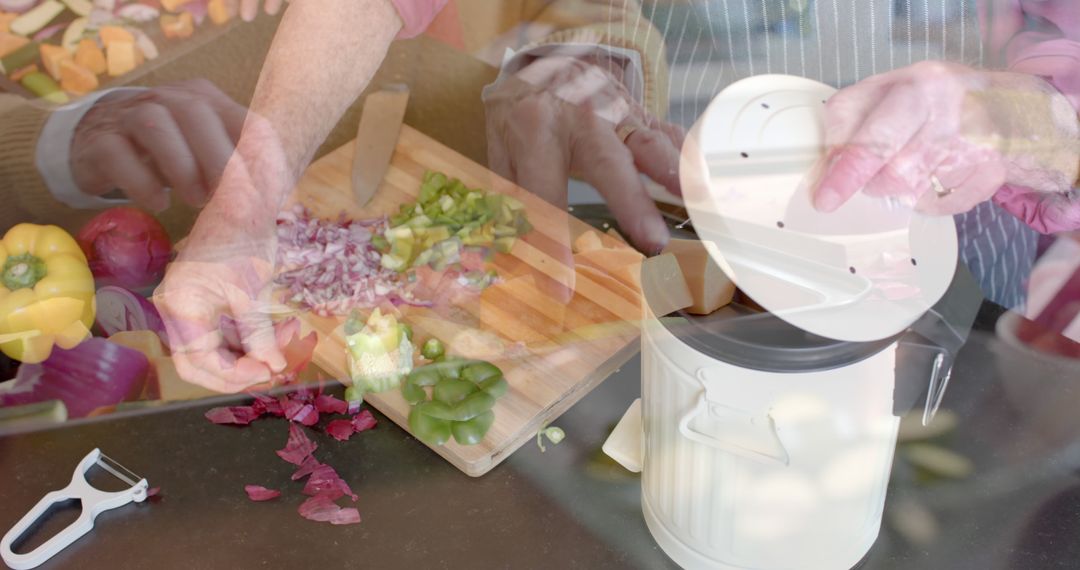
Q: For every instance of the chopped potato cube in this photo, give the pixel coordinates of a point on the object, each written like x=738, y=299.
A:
x=51, y=57
x=110, y=34
x=219, y=12
x=121, y=58
x=76, y=79
x=90, y=56
x=177, y=26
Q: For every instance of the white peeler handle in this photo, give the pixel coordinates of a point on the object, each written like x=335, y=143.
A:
x=60, y=541
x=94, y=502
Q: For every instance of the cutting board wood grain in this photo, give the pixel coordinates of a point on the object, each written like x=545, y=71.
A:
x=572, y=340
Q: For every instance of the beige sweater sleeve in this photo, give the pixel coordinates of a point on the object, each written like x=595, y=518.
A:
x=23, y=193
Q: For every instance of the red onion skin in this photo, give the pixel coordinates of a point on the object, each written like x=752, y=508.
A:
x=259, y=493
x=16, y=6
x=151, y=319
x=126, y=247
x=48, y=32
x=94, y=374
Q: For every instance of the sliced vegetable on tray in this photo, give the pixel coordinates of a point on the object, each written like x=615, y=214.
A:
x=60, y=49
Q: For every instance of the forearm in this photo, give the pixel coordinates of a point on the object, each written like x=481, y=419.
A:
x=323, y=56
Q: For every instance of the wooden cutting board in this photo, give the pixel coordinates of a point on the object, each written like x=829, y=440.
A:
x=574, y=340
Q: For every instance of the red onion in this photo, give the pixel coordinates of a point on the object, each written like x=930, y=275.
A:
x=298, y=447
x=125, y=246
x=121, y=310
x=16, y=6
x=321, y=509
x=331, y=267
x=306, y=468
x=94, y=374
x=48, y=32
x=139, y=13
x=235, y=415
x=340, y=430
x=260, y=493
x=325, y=481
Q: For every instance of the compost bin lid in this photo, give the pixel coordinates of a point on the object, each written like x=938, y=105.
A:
x=863, y=273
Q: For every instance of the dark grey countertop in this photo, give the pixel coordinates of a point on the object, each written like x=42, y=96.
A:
x=1019, y=509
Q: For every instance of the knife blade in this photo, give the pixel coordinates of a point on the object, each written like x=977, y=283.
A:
x=376, y=138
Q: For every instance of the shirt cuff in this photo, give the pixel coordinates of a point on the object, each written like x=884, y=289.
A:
x=53, y=154
x=633, y=70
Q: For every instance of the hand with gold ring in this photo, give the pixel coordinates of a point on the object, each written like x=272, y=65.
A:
x=947, y=137
x=563, y=115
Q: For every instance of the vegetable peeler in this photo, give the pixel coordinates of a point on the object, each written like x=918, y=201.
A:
x=94, y=502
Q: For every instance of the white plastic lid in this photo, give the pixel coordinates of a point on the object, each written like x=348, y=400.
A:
x=862, y=273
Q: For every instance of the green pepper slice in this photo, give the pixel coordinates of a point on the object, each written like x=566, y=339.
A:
x=453, y=391
x=424, y=376
x=471, y=432
x=477, y=372
x=430, y=430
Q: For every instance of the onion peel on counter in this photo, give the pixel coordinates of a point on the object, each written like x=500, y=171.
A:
x=321, y=509
x=235, y=415
x=258, y=493
x=298, y=447
x=305, y=406
x=306, y=468
x=324, y=480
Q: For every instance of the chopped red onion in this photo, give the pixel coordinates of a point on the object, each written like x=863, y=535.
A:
x=306, y=468
x=324, y=480
x=259, y=493
x=340, y=430
x=48, y=32
x=299, y=446
x=331, y=267
x=139, y=13
x=327, y=404
x=16, y=6
x=265, y=404
x=321, y=509
x=237, y=415
x=299, y=412
x=363, y=421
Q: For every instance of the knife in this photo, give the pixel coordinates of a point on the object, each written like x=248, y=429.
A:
x=376, y=138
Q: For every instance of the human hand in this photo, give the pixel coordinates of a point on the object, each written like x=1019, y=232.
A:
x=963, y=133
x=563, y=115
x=214, y=298
x=179, y=136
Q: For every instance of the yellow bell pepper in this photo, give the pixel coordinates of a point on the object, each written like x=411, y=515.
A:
x=46, y=292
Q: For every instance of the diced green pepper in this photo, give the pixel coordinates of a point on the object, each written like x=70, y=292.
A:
x=432, y=349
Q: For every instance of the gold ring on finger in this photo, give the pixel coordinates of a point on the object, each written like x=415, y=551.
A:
x=939, y=188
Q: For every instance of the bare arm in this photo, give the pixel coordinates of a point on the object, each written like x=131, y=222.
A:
x=323, y=56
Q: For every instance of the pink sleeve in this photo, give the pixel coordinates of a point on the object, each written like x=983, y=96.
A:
x=416, y=15
x=1050, y=49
